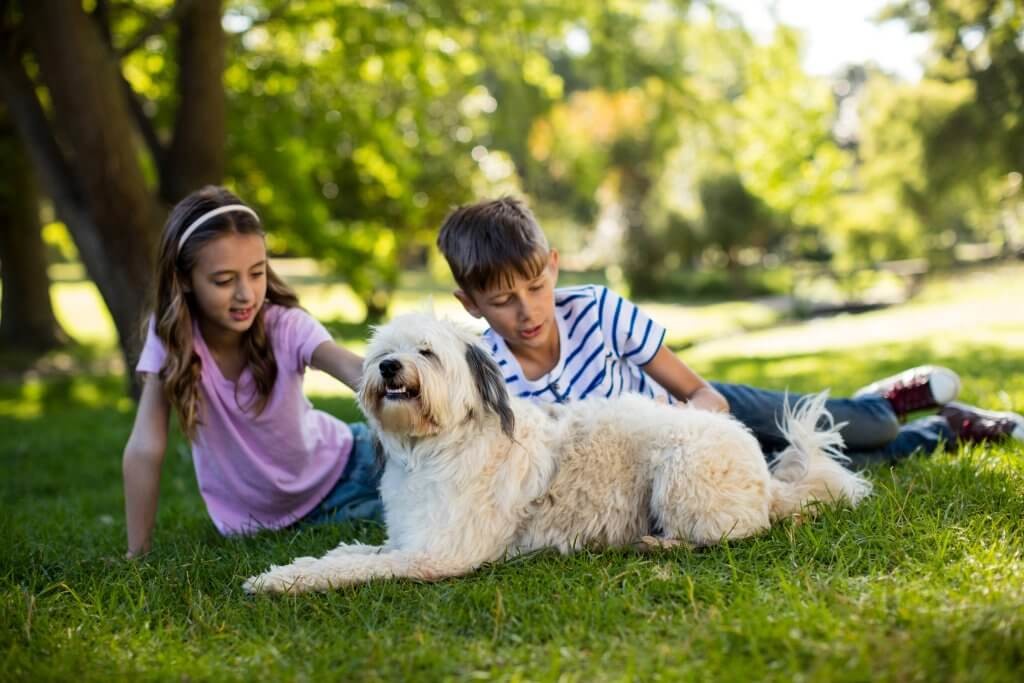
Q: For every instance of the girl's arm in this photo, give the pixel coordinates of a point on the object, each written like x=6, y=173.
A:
x=683, y=383
x=143, y=457
x=339, y=363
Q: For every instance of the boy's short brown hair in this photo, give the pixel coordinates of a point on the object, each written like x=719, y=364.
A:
x=487, y=243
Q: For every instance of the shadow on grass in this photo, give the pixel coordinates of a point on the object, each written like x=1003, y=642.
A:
x=20, y=365
x=57, y=395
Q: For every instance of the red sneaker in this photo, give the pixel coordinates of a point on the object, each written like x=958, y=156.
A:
x=974, y=424
x=920, y=388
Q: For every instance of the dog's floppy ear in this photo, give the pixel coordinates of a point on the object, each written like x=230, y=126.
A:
x=491, y=386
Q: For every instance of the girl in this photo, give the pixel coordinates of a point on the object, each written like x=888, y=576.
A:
x=226, y=347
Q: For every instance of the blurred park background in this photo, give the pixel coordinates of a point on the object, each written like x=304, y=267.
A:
x=746, y=169
x=809, y=156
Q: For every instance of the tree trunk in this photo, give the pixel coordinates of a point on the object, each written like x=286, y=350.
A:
x=85, y=148
x=737, y=277
x=196, y=155
x=640, y=263
x=95, y=131
x=26, y=314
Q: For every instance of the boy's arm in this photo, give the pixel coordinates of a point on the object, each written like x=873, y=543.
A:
x=683, y=383
x=339, y=363
x=141, y=464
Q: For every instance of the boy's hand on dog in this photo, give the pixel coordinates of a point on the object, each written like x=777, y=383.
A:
x=708, y=399
x=711, y=401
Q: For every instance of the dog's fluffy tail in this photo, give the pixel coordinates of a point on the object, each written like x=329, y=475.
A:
x=810, y=470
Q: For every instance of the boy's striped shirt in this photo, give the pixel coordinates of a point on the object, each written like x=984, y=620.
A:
x=605, y=342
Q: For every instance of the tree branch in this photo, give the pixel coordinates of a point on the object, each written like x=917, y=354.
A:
x=195, y=155
x=144, y=122
x=12, y=37
x=155, y=26
x=273, y=14
x=101, y=15
x=27, y=113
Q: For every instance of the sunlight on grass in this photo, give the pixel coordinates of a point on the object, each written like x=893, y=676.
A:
x=25, y=405
x=982, y=307
x=690, y=324
x=35, y=397
x=80, y=310
x=329, y=302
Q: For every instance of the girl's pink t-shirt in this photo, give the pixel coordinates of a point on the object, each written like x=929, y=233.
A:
x=267, y=470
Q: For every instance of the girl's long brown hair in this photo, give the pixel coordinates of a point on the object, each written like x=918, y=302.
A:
x=175, y=309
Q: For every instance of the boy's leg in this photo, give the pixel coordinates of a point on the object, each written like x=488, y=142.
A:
x=922, y=436
x=870, y=421
x=956, y=423
x=971, y=423
x=920, y=388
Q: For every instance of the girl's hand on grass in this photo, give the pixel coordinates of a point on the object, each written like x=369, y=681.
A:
x=137, y=554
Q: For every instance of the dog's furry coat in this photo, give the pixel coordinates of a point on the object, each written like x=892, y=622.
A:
x=472, y=475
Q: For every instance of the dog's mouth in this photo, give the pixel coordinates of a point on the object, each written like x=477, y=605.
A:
x=400, y=392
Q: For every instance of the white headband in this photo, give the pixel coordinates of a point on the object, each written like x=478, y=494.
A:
x=210, y=214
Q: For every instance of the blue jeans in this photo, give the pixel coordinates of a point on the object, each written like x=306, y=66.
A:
x=873, y=433
x=356, y=495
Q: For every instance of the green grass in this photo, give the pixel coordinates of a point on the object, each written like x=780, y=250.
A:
x=925, y=581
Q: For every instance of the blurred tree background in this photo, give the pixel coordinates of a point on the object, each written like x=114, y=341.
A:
x=658, y=141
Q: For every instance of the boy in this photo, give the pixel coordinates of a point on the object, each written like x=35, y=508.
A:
x=555, y=345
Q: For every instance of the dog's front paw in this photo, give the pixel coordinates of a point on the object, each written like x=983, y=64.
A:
x=649, y=543
x=287, y=579
x=252, y=585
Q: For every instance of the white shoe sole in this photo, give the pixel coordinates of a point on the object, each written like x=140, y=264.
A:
x=943, y=383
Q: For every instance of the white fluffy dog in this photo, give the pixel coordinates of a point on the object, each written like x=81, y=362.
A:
x=473, y=476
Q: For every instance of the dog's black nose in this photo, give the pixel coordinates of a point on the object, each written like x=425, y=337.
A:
x=389, y=368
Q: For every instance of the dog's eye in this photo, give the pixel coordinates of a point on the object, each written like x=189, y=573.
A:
x=427, y=353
